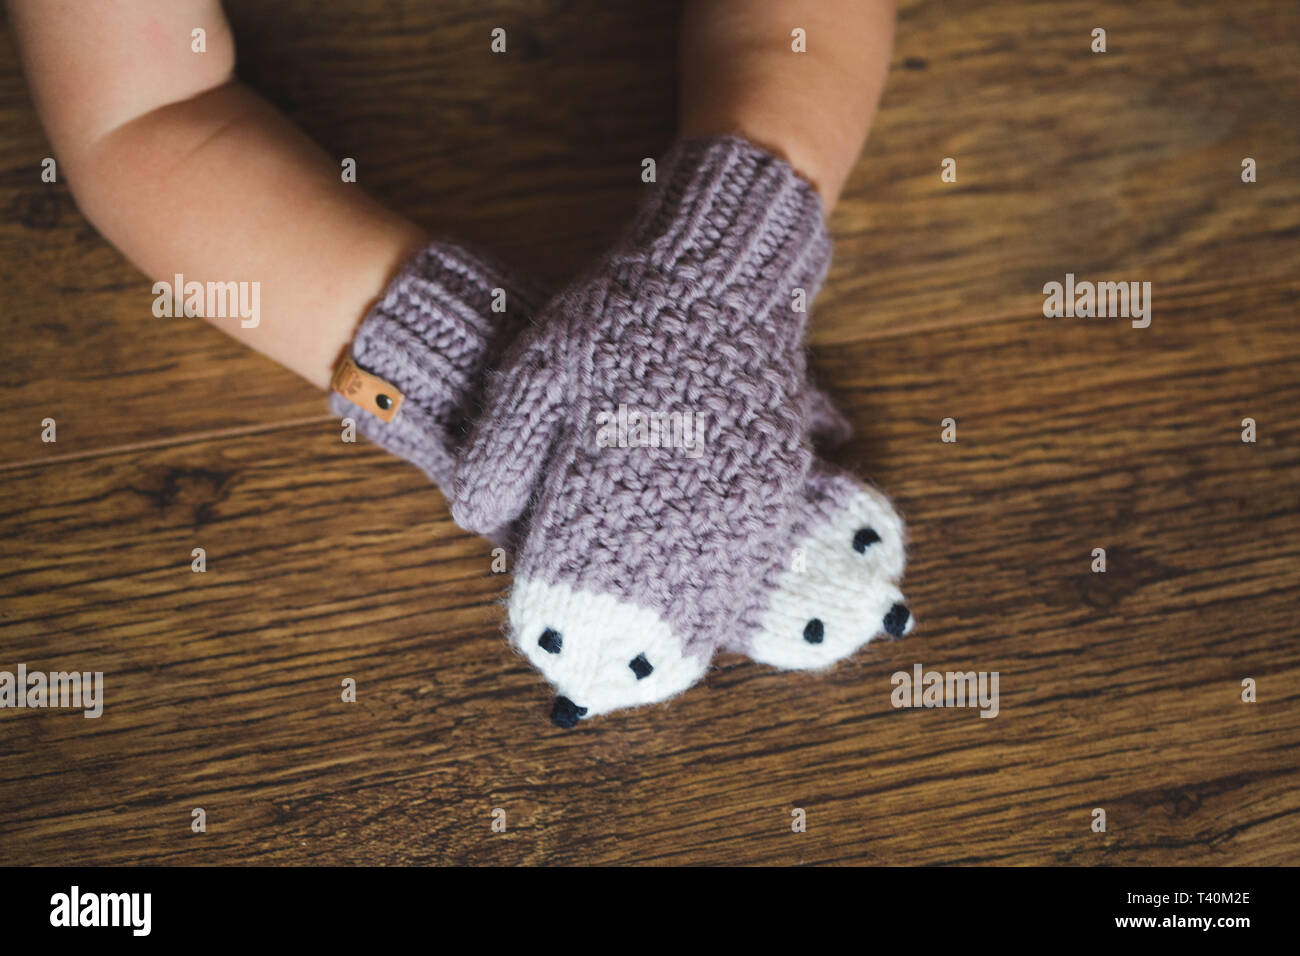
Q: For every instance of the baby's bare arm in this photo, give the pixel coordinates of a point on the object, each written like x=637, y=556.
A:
x=740, y=74
x=187, y=171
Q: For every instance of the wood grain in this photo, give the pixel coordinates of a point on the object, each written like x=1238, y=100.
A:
x=328, y=560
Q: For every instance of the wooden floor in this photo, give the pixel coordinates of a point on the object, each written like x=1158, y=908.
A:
x=1119, y=691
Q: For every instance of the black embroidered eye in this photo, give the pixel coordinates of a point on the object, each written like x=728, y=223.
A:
x=550, y=641
x=895, y=622
x=864, y=539
x=640, y=667
x=566, y=713
x=814, y=631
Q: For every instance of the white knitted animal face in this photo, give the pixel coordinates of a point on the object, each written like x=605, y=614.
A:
x=844, y=593
x=600, y=653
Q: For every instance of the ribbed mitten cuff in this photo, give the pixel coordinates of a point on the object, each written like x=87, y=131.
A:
x=433, y=335
x=725, y=212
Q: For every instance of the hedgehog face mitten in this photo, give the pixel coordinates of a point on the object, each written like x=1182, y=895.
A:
x=651, y=431
x=412, y=376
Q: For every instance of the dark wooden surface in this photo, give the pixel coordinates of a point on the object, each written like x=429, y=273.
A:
x=327, y=561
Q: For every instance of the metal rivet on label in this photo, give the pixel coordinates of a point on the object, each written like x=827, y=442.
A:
x=384, y=402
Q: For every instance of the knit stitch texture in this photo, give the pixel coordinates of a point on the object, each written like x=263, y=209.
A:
x=690, y=313
x=433, y=334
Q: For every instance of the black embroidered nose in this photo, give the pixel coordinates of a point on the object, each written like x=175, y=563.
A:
x=566, y=713
x=864, y=539
x=813, y=631
x=550, y=641
x=896, y=620
x=641, y=667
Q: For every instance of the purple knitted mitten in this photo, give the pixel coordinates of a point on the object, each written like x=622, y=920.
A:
x=432, y=336
x=652, y=426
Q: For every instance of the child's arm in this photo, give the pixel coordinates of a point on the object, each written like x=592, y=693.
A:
x=187, y=171
x=741, y=75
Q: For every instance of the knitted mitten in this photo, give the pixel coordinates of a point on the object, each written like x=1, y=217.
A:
x=419, y=358
x=835, y=584
x=417, y=363
x=652, y=425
